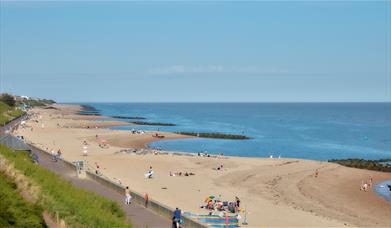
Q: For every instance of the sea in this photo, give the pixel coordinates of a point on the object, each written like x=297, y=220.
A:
x=317, y=131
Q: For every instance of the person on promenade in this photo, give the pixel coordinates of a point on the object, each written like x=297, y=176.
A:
x=128, y=197
x=176, y=219
x=54, y=156
x=58, y=154
x=146, y=199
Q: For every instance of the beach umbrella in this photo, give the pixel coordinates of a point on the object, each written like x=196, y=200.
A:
x=211, y=197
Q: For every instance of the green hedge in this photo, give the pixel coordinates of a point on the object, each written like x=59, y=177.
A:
x=14, y=210
x=78, y=207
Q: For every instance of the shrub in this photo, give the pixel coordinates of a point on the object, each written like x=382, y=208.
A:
x=8, y=99
x=14, y=210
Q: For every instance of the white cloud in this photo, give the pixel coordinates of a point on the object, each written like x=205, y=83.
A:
x=211, y=69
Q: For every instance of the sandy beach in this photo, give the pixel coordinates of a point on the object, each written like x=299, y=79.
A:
x=274, y=192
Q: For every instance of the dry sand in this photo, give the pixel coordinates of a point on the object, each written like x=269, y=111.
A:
x=275, y=192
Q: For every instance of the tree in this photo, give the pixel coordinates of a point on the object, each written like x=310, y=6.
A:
x=8, y=99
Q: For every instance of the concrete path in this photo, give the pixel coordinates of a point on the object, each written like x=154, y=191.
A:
x=139, y=216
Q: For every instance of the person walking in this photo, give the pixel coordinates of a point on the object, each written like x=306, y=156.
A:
x=176, y=219
x=146, y=199
x=128, y=197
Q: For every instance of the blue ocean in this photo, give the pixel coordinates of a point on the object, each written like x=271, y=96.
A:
x=318, y=131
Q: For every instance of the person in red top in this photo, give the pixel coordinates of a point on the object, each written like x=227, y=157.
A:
x=146, y=198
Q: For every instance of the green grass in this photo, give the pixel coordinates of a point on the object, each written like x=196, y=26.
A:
x=78, y=207
x=215, y=135
x=14, y=210
x=36, y=103
x=364, y=164
x=8, y=113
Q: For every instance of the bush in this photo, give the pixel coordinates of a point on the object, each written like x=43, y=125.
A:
x=14, y=210
x=8, y=113
x=8, y=99
x=78, y=207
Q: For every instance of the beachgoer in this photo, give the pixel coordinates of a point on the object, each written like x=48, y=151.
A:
x=237, y=201
x=146, y=199
x=35, y=158
x=54, y=158
x=150, y=172
x=58, y=154
x=370, y=181
x=128, y=197
x=316, y=172
x=177, y=217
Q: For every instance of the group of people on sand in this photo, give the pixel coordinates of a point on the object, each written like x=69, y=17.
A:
x=216, y=204
x=186, y=174
x=365, y=185
x=134, y=131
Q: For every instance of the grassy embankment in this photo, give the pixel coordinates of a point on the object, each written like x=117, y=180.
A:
x=8, y=113
x=15, y=211
x=77, y=207
x=36, y=103
x=215, y=135
x=364, y=164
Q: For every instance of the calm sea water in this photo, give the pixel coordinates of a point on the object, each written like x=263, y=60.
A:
x=383, y=190
x=317, y=131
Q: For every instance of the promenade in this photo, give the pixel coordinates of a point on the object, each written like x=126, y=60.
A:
x=139, y=216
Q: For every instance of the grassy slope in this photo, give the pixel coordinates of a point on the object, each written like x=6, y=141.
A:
x=79, y=208
x=14, y=210
x=7, y=113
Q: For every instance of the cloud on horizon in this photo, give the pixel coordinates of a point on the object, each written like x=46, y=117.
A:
x=211, y=69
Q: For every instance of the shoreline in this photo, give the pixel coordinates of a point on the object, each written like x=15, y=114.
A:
x=268, y=188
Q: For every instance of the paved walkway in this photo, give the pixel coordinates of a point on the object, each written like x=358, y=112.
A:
x=139, y=216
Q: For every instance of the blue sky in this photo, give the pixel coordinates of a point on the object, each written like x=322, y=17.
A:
x=197, y=51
